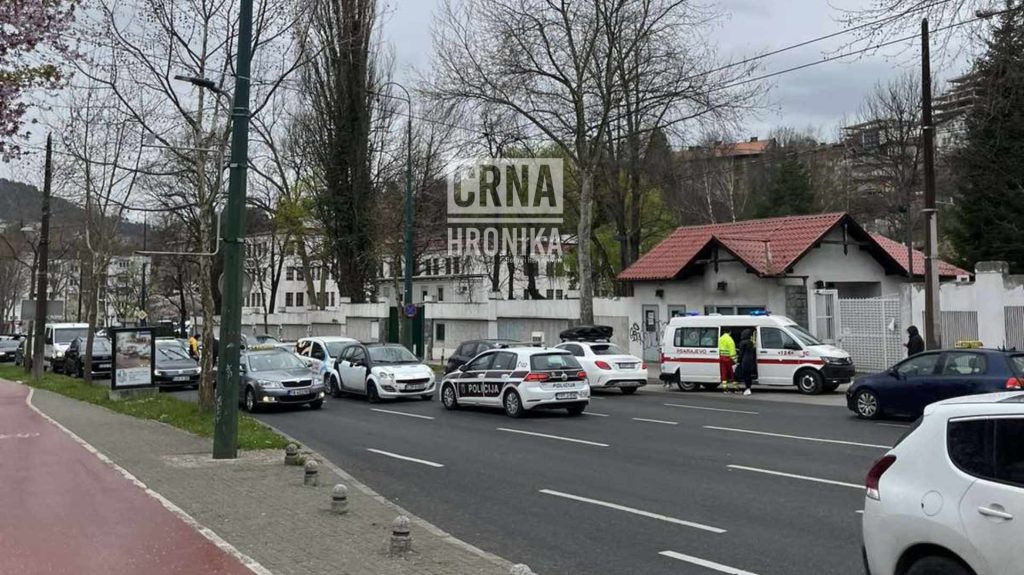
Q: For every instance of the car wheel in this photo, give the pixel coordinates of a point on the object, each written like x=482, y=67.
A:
x=628, y=390
x=576, y=409
x=687, y=385
x=513, y=404
x=935, y=565
x=448, y=399
x=250, y=401
x=809, y=382
x=316, y=404
x=867, y=404
x=371, y=392
x=333, y=387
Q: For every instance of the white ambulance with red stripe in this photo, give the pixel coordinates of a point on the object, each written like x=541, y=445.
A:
x=787, y=354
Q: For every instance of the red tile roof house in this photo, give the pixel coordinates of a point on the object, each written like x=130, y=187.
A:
x=773, y=264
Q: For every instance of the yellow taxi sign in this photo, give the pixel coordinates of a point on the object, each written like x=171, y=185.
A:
x=261, y=347
x=968, y=344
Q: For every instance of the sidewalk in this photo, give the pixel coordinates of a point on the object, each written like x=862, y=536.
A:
x=255, y=503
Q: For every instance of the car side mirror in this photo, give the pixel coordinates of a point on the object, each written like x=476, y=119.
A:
x=895, y=373
x=793, y=347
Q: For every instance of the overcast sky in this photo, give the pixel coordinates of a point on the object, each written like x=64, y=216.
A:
x=817, y=98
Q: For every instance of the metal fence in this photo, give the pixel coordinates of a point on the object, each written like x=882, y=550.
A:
x=869, y=329
x=956, y=326
x=1014, y=324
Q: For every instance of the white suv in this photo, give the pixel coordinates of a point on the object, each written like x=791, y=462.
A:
x=607, y=365
x=949, y=498
x=519, y=379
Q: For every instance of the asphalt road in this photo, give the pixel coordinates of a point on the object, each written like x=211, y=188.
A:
x=765, y=485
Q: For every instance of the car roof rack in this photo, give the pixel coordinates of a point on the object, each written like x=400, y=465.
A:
x=587, y=333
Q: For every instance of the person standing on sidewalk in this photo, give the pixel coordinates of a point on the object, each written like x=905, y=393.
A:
x=726, y=359
x=915, y=343
x=746, y=365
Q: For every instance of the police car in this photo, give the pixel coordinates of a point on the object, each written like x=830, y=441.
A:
x=519, y=379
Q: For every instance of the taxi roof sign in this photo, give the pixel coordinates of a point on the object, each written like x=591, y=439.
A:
x=968, y=344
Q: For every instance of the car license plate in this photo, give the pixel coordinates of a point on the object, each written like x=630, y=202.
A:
x=627, y=366
x=298, y=392
x=104, y=366
x=566, y=395
x=415, y=387
x=181, y=378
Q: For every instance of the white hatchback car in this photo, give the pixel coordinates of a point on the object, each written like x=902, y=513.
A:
x=519, y=379
x=608, y=365
x=948, y=499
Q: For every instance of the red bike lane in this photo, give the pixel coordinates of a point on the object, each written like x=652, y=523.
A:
x=63, y=510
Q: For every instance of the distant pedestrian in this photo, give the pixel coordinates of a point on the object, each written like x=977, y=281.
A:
x=915, y=344
x=726, y=359
x=746, y=365
x=193, y=346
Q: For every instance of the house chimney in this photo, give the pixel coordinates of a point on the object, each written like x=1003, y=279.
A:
x=753, y=139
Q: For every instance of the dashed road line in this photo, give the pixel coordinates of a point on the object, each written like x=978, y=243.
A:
x=899, y=425
x=711, y=408
x=634, y=511
x=558, y=437
x=404, y=457
x=795, y=476
x=706, y=564
x=595, y=414
x=401, y=413
x=644, y=419
x=798, y=437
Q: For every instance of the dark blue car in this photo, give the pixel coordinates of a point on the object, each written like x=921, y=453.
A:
x=907, y=387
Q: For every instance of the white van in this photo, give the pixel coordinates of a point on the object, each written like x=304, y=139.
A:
x=787, y=354
x=58, y=337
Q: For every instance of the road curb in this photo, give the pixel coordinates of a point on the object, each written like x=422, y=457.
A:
x=495, y=560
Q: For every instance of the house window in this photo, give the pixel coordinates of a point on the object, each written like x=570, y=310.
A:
x=289, y=299
x=458, y=266
x=437, y=267
x=300, y=274
x=549, y=293
x=448, y=266
x=332, y=300
x=300, y=299
x=424, y=296
x=289, y=274
x=440, y=294
x=559, y=294
x=549, y=269
x=439, y=332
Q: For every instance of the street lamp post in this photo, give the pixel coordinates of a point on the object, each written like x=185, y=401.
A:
x=44, y=261
x=407, y=338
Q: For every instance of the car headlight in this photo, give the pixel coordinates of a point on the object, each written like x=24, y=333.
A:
x=60, y=354
x=159, y=372
x=834, y=360
x=387, y=375
x=267, y=384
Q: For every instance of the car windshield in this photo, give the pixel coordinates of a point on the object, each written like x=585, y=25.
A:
x=170, y=353
x=99, y=345
x=392, y=354
x=551, y=361
x=1018, y=365
x=274, y=361
x=334, y=348
x=606, y=349
x=803, y=335
x=67, y=334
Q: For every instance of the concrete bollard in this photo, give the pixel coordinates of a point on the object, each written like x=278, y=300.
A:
x=291, y=454
x=521, y=569
x=401, y=537
x=312, y=475
x=339, y=499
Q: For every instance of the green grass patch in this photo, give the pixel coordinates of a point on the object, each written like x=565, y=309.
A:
x=164, y=408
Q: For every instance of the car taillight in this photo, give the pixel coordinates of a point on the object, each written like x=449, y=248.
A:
x=602, y=365
x=875, y=475
x=536, y=377
x=581, y=375
x=1014, y=383
x=643, y=366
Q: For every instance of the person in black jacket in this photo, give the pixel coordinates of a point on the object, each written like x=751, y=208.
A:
x=915, y=344
x=746, y=360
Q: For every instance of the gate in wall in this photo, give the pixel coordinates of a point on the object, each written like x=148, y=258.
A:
x=870, y=330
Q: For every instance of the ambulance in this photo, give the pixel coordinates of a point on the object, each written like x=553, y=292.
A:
x=787, y=354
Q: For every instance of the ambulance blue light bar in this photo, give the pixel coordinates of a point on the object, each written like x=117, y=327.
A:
x=760, y=312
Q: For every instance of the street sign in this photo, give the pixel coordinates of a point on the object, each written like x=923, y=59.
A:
x=133, y=357
x=410, y=310
x=54, y=309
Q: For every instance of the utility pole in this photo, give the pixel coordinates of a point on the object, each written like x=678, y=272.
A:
x=407, y=300
x=44, y=263
x=142, y=292
x=932, y=326
x=225, y=426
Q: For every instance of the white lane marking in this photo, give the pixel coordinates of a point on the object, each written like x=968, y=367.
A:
x=558, y=437
x=705, y=563
x=795, y=476
x=403, y=457
x=800, y=437
x=595, y=414
x=180, y=513
x=400, y=413
x=711, y=408
x=656, y=421
x=860, y=511
x=900, y=425
x=634, y=511
x=18, y=435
